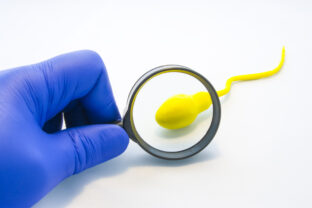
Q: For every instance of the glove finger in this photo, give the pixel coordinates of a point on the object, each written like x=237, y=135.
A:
x=48, y=87
x=94, y=144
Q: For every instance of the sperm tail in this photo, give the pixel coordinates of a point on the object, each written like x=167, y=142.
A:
x=252, y=76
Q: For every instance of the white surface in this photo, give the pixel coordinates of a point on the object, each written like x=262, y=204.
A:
x=261, y=155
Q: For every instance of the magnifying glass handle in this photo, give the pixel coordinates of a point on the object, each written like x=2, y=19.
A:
x=124, y=126
x=119, y=123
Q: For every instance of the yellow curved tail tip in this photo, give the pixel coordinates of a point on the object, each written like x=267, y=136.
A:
x=283, y=51
x=282, y=60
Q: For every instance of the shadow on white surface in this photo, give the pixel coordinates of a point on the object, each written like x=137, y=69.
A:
x=65, y=192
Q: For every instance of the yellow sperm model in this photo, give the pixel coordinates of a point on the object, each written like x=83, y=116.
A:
x=181, y=110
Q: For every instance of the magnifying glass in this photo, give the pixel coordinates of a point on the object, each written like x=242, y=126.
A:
x=149, y=92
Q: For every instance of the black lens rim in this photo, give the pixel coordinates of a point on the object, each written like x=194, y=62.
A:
x=128, y=123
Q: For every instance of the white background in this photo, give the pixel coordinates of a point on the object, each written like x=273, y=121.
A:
x=261, y=155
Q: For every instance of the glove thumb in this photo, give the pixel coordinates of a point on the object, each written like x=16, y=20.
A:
x=94, y=144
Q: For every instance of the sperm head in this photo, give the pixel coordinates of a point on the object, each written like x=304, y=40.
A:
x=181, y=110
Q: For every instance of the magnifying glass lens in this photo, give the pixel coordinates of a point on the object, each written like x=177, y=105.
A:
x=180, y=96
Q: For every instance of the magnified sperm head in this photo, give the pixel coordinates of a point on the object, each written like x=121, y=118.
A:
x=181, y=110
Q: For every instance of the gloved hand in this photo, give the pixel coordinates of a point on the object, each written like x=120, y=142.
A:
x=35, y=155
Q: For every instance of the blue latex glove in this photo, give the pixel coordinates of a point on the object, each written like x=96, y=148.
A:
x=34, y=154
